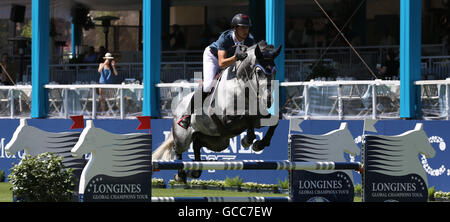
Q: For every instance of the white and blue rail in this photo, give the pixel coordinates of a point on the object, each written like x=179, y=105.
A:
x=253, y=165
x=221, y=199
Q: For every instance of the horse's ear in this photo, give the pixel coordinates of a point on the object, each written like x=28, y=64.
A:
x=258, y=53
x=277, y=52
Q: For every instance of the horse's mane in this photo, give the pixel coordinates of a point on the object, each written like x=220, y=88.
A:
x=263, y=46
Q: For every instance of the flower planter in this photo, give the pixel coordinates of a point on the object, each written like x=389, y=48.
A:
x=266, y=190
x=20, y=198
x=198, y=187
x=249, y=189
x=180, y=186
x=276, y=190
x=233, y=188
x=159, y=186
x=212, y=187
x=285, y=191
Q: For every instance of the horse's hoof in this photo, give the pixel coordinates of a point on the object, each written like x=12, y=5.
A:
x=245, y=143
x=180, y=177
x=194, y=174
x=258, y=146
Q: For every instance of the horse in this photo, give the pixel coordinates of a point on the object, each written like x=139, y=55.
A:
x=114, y=155
x=327, y=147
x=398, y=155
x=35, y=141
x=223, y=117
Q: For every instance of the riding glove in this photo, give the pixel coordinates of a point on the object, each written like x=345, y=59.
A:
x=240, y=55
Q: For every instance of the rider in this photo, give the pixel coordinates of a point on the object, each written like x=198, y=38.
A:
x=222, y=54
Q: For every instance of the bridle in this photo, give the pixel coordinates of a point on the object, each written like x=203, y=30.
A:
x=267, y=73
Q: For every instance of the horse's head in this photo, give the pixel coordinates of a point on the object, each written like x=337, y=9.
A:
x=19, y=140
x=259, y=66
x=86, y=141
x=422, y=143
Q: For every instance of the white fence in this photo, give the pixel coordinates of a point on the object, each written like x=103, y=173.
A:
x=343, y=99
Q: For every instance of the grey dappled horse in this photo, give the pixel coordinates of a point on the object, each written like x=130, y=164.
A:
x=239, y=102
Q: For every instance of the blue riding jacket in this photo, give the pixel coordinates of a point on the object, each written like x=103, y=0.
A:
x=226, y=42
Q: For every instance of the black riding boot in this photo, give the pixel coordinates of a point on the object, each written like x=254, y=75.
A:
x=185, y=121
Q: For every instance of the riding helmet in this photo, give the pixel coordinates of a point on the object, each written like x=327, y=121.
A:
x=241, y=20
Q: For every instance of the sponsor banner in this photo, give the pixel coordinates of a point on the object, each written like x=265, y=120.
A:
x=103, y=188
x=392, y=169
x=437, y=168
x=434, y=169
x=384, y=188
x=314, y=187
x=323, y=185
x=119, y=168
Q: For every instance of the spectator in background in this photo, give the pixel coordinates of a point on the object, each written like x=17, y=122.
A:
x=387, y=38
x=295, y=36
x=445, y=40
x=106, y=71
x=178, y=36
x=321, y=33
x=390, y=66
x=309, y=34
x=7, y=73
x=91, y=56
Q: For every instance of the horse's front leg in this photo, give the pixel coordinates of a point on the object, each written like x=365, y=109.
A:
x=197, y=157
x=181, y=176
x=261, y=144
x=248, y=139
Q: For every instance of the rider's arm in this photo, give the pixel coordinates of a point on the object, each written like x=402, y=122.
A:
x=223, y=61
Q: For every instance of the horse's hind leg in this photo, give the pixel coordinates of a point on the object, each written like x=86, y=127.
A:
x=195, y=173
x=181, y=176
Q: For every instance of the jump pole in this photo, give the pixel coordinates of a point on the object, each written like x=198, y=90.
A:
x=221, y=199
x=254, y=165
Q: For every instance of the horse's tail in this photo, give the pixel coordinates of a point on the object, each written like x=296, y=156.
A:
x=165, y=151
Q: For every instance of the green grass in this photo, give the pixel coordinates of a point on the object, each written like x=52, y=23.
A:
x=5, y=192
x=207, y=193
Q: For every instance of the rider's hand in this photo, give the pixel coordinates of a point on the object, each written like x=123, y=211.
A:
x=240, y=55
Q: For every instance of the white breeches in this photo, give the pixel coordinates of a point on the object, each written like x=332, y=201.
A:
x=210, y=69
